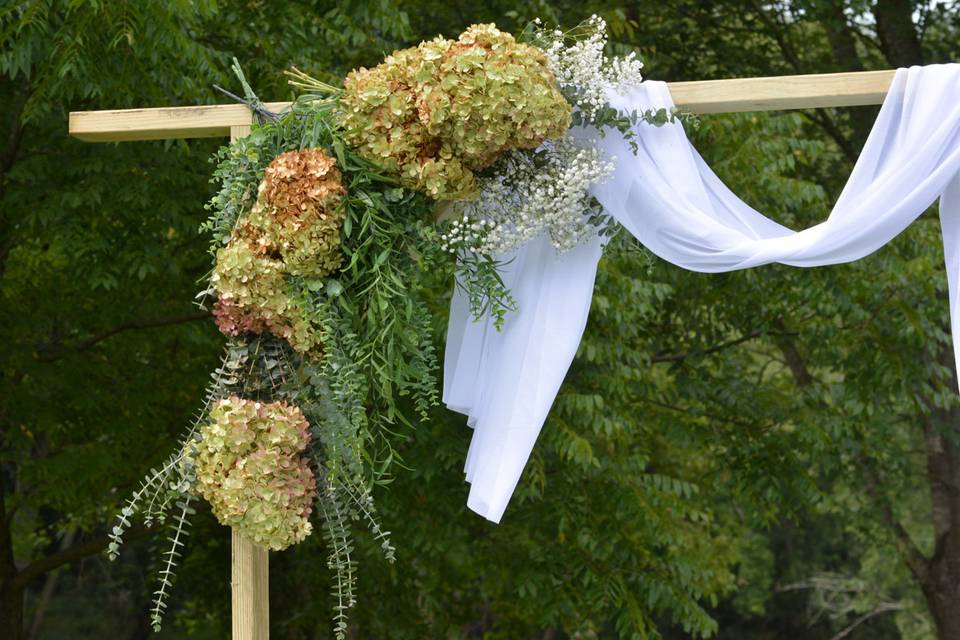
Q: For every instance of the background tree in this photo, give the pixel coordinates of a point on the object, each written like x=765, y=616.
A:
x=742, y=455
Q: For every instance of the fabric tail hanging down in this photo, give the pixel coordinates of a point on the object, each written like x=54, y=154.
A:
x=671, y=201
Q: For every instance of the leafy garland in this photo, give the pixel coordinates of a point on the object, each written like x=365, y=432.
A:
x=322, y=228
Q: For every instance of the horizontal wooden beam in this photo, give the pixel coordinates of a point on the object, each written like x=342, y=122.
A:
x=782, y=92
x=162, y=123
x=702, y=96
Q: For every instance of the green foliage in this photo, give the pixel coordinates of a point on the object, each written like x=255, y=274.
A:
x=624, y=122
x=592, y=543
x=478, y=277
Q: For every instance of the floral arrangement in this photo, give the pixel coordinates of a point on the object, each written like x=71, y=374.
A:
x=322, y=229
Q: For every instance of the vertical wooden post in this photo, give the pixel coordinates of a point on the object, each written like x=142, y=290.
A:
x=250, y=568
x=250, y=588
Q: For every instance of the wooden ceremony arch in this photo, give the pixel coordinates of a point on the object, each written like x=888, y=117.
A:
x=250, y=563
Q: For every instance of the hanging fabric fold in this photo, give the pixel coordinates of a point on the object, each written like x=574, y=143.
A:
x=505, y=381
x=668, y=198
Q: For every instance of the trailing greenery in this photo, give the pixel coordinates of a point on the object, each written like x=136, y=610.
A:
x=179, y=529
x=376, y=338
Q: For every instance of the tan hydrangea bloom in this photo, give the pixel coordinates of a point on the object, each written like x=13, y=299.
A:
x=299, y=211
x=437, y=113
x=292, y=230
x=249, y=466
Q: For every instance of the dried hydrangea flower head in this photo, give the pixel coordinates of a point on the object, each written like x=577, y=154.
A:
x=292, y=230
x=250, y=468
x=437, y=113
x=250, y=290
x=298, y=211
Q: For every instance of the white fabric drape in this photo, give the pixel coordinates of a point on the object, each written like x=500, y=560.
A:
x=668, y=198
x=505, y=381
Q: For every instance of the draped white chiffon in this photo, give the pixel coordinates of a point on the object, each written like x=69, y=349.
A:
x=666, y=196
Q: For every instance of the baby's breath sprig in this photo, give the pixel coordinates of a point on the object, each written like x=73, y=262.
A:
x=529, y=193
x=576, y=57
x=466, y=234
x=585, y=75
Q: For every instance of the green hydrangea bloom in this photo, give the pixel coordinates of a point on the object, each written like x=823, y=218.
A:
x=437, y=113
x=254, y=297
x=250, y=468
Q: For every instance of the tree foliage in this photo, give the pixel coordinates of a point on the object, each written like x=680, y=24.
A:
x=771, y=453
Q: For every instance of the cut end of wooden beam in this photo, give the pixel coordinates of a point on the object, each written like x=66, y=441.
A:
x=162, y=123
x=783, y=92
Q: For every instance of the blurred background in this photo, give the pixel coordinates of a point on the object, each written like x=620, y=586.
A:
x=767, y=454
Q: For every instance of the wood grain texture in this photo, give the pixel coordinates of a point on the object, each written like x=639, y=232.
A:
x=239, y=131
x=162, y=123
x=782, y=92
x=249, y=587
x=250, y=563
x=702, y=96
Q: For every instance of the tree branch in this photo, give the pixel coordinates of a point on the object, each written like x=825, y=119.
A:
x=724, y=419
x=777, y=33
x=898, y=36
x=56, y=351
x=792, y=356
x=8, y=157
x=9, y=153
x=69, y=555
x=679, y=357
x=916, y=561
x=914, y=558
x=883, y=607
x=940, y=430
x=825, y=122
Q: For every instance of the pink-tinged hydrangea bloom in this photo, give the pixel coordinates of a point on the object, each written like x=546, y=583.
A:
x=250, y=467
x=292, y=230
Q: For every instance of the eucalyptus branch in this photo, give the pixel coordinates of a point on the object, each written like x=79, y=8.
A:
x=167, y=573
x=153, y=484
x=340, y=561
x=361, y=499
